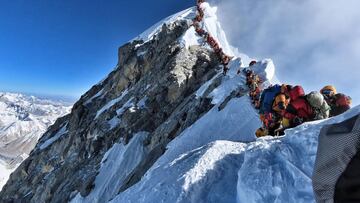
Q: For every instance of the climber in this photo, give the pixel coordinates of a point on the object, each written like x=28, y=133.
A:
x=328, y=92
x=245, y=70
x=255, y=96
x=200, y=31
x=292, y=92
x=254, y=87
x=217, y=49
x=267, y=98
x=342, y=104
x=195, y=24
x=252, y=63
x=253, y=81
x=321, y=109
x=279, y=106
x=299, y=110
x=256, y=101
x=254, y=90
x=249, y=75
x=261, y=132
x=239, y=71
x=302, y=108
x=211, y=41
x=200, y=14
x=280, y=103
x=270, y=120
x=198, y=18
x=219, y=52
x=225, y=69
x=225, y=60
x=305, y=108
x=338, y=102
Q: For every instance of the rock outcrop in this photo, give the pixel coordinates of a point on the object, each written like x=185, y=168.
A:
x=151, y=90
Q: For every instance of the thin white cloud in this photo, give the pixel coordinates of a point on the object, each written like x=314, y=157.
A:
x=312, y=42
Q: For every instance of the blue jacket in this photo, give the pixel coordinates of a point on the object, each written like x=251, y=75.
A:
x=267, y=98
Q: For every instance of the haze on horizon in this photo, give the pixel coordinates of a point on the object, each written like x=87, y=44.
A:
x=63, y=48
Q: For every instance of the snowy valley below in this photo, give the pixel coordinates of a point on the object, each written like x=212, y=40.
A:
x=165, y=126
x=23, y=120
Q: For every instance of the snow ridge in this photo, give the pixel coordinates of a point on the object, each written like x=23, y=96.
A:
x=218, y=158
x=194, y=161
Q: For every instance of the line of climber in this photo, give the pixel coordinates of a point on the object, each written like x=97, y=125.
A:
x=224, y=58
x=285, y=106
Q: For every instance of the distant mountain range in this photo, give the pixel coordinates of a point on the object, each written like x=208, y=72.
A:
x=23, y=119
x=166, y=125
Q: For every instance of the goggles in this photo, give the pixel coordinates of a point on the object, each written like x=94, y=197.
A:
x=327, y=92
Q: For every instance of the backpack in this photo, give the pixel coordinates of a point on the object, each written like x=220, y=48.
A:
x=296, y=92
x=340, y=104
x=319, y=105
x=267, y=98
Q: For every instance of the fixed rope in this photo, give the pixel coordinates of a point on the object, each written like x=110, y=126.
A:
x=254, y=83
x=210, y=40
x=253, y=80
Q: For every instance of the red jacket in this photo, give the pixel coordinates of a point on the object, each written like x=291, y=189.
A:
x=296, y=92
x=299, y=108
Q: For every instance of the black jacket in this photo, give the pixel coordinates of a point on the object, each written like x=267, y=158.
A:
x=336, y=176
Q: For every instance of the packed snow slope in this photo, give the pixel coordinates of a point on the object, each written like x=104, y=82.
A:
x=266, y=170
x=23, y=119
x=167, y=126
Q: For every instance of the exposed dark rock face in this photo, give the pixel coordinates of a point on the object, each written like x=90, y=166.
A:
x=152, y=90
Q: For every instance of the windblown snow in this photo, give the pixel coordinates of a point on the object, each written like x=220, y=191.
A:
x=218, y=158
x=23, y=119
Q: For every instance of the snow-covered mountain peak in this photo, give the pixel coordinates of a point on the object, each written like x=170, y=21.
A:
x=154, y=30
x=168, y=126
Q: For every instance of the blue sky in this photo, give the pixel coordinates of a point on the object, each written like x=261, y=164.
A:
x=64, y=47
